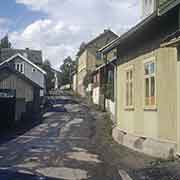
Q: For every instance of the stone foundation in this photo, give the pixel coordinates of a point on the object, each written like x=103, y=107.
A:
x=149, y=146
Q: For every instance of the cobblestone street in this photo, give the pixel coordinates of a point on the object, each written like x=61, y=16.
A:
x=59, y=148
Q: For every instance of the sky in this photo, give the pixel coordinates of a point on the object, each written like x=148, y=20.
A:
x=58, y=27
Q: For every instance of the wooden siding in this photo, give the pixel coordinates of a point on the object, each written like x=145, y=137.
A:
x=160, y=123
x=23, y=89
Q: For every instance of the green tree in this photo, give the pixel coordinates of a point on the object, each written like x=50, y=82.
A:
x=49, y=76
x=66, y=70
x=5, y=43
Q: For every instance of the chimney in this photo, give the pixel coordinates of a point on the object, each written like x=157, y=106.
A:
x=106, y=30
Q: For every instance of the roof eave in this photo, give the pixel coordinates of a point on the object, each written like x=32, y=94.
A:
x=130, y=32
x=164, y=9
x=18, y=54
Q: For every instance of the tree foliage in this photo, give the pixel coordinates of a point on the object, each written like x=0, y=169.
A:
x=66, y=70
x=49, y=76
x=5, y=43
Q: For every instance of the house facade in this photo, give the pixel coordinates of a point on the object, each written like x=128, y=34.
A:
x=103, y=91
x=29, y=69
x=97, y=83
x=147, y=85
x=75, y=81
x=108, y=76
x=89, y=58
x=56, y=79
x=27, y=92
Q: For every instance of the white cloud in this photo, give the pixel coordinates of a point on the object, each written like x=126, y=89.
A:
x=70, y=22
x=3, y=26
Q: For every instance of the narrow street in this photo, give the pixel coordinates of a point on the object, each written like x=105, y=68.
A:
x=60, y=147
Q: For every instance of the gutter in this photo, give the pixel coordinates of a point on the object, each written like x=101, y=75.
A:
x=129, y=33
x=164, y=8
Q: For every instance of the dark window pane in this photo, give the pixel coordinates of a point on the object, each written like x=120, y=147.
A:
x=147, y=91
x=152, y=91
x=147, y=87
x=146, y=69
x=152, y=68
x=131, y=75
x=131, y=94
x=127, y=76
x=152, y=86
x=127, y=94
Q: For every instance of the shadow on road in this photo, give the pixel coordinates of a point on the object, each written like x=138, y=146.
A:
x=8, y=134
x=9, y=174
x=54, y=105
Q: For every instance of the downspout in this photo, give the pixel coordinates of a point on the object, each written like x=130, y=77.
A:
x=105, y=84
x=115, y=92
x=179, y=18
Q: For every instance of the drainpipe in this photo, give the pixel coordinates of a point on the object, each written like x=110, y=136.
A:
x=179, y=18
x=115, y=92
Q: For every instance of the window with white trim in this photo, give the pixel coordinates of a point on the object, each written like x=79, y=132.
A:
x=129, y=88
x=150, y=84
x=20, y=67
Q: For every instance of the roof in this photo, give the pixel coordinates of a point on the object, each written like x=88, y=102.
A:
x=7, y=70
x=166, y=5
x=105, y=64
x=172, y=40
x=34, y=56
x=133, y=30
x=96, y=39
x=107, y=45
x=25, y=59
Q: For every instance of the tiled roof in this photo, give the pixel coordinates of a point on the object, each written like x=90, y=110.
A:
x=105, y=33
x=34, y=56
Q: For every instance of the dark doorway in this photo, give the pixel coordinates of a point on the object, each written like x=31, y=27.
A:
x=7, y=107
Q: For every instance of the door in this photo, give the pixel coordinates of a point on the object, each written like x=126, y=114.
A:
x=7, y=107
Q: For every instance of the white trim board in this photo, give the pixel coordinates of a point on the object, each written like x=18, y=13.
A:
x=25, y=59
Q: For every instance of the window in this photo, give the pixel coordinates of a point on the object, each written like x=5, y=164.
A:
x=98, y=56
x=33, y=70
x=95, y=79
x=148, y=7
x=150, y=84
x=129, y=88
x=110, y=76
x=20, y=67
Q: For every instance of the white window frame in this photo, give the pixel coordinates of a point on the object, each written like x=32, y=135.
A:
x=149, y=76
x=129, y=106
x=18, y=67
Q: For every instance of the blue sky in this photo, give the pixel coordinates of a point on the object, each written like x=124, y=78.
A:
x=18, y=15
x=58, y=27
